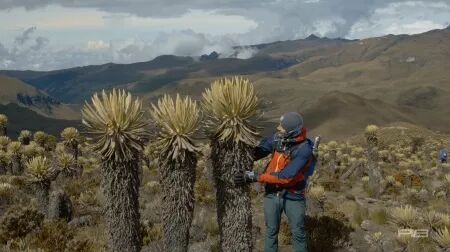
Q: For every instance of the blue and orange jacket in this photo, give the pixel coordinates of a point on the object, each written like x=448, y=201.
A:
x=291, y=164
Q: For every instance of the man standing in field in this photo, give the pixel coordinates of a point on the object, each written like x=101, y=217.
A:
x=285, y=179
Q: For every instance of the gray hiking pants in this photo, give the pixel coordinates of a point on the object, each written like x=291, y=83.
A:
x=274, y=206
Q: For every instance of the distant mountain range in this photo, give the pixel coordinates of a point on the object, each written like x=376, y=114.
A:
x=339, y=85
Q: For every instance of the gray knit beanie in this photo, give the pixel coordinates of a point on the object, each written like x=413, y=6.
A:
x=291, y=121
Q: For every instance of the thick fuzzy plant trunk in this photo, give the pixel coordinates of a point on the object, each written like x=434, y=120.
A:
x=25, y=141
x=374, y=171
x=3, y=168
x=16, y=165
x=234, y=213
x=333, y=162
x=355, y=170
x=60, y=206
x=72, y=148
x=120, y=185
x=3, y=131
x=42, y=191
x=177, y=183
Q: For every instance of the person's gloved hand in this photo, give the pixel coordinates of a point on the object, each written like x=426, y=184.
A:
x=243, y=178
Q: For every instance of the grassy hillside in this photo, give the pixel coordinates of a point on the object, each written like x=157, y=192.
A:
x=10, y=87
x=77, y=84
x=338, y=115
x=17, y=92
x=340, y=85
x=391, y=78
x=20, y=118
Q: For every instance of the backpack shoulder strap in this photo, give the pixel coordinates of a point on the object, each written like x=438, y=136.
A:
x=294, y=148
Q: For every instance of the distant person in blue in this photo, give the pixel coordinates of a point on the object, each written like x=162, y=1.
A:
x=443, y=155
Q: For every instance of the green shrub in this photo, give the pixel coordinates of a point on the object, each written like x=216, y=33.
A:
x=359, y=215
x=79, y=246
x=19, y=181
x=326, y=233
x=204, y=192
x=150, y=233
x=285, y=233
x=337, y=215
x=331, y=184
x=211, y=228
x=74, y=188
x=87, y=198
x=17, y=222
x=153, y=186
x=215, y=247
x=6, y=192
x=379, y=216
x=53, y=236
x=19, y=245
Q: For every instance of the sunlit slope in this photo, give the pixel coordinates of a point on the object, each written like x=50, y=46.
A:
x=376, y=80
x=17, y=92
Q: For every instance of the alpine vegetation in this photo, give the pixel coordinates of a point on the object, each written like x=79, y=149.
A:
x=404, y=217
x=3, y=125
x=14, y=151
x=442, y=239
x=4, y=142
x=71, y=138
x=66, y=164
x=374, y=170
x=25, y=137
x=40, y=137
x=30, y=151
x=40, y=174
x=116, y=125
x=4, y=162
x=230, y=103
x=178, y=120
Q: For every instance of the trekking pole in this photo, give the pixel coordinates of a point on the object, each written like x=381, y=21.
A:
x=316, y=147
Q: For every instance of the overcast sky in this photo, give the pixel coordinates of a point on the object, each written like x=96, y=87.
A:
x=56, y=34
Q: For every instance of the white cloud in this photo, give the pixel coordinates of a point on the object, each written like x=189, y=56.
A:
x=182, y=43
x=55, y=18
x=25, y=36
x=326, y=26
x=412, y=28
x=246, y=53
x=98, y=45
x=409, y=17
x=73, y=33
x=209, y=22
